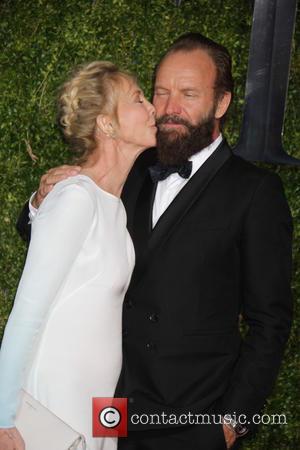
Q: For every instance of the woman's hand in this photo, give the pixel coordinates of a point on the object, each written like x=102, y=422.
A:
x=10, y=439
x=50, y=178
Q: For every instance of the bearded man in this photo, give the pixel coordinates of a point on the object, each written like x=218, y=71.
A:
x=212, y=236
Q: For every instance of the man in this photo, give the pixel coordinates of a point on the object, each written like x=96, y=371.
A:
x=212, y=235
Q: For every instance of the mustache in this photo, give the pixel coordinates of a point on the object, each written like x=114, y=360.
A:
x=169, y=118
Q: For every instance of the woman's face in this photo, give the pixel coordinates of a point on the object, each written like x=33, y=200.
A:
x=136, y=117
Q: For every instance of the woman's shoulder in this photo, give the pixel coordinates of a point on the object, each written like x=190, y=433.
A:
x=73, y=192
x=79, y=185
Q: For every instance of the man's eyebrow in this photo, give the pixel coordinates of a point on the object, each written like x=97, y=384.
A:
x=190, y=89
x=185, y=89
x=160, y=87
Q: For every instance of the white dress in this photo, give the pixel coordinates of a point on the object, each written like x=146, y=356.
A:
x=66, y=324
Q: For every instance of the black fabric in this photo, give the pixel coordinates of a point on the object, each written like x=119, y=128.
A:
x=23, y=226
x=201, y=437
x=221, y=249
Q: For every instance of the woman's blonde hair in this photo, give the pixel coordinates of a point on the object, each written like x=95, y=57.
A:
x=92, y=89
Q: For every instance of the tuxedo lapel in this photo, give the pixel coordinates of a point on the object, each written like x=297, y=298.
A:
x=188, y=195
x=142, y=223
x=146, y=241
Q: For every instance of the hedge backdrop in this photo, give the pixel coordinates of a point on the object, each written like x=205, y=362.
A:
x=42, y=40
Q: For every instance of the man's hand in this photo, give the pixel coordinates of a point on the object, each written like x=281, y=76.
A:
x=50, y=178
x=230, y=436
x=10, y=439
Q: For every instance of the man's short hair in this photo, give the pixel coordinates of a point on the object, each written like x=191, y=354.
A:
x=219, y=54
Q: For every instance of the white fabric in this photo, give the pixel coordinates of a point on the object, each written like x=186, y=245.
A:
x=65, y=326
x=168, y=189
x=32, y=209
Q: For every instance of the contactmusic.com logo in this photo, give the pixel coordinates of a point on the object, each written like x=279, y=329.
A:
x=109, y=417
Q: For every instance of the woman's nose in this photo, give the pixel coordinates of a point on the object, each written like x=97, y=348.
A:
x=151, y=108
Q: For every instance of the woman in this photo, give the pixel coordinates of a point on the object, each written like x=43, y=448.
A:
x=65, y=327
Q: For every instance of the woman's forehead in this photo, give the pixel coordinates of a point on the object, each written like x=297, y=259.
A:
x=129, y=86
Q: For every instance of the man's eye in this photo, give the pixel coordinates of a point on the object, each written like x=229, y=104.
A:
x=161, y=93
x=190, y=94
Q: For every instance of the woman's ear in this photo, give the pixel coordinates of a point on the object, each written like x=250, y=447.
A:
x=104, y=124
x=223, y=105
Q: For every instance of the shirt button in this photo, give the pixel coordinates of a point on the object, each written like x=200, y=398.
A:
x=153, y=317
x=150, y=346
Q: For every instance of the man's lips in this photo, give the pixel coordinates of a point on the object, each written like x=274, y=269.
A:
x=171, y=125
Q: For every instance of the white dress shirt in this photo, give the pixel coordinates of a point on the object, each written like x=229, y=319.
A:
x=168, y=189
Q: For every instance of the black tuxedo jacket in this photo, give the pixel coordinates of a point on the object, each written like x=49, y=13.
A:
x=221, y=249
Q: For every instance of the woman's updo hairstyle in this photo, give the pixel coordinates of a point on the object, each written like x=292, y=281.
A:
x=93, y=89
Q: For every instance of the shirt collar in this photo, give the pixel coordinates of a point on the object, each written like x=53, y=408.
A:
x=199, y=158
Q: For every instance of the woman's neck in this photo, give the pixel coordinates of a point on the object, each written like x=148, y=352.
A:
x=109, y=167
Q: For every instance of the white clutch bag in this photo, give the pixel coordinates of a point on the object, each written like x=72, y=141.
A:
x=43, y=430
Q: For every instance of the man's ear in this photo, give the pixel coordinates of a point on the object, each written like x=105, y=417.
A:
x=223, y=105
x=104, y=124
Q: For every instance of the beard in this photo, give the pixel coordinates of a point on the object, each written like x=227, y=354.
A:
x=175, y=148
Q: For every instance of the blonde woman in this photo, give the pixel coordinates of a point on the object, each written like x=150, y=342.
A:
x=62, y=342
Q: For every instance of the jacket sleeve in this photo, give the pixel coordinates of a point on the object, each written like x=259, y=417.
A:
x=59, y=230
x=23, y=225
x=265, y=252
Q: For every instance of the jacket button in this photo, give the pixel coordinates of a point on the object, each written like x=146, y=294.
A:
x=150, y=346
x=125, y=332
x=128, y=303
x=153, y=317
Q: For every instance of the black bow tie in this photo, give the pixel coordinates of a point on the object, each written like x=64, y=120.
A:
x=160, y=172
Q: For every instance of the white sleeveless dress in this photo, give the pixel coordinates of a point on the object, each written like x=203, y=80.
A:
x=66, y=324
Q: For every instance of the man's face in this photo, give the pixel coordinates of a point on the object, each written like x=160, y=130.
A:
x=184, y=87
x=184, y=99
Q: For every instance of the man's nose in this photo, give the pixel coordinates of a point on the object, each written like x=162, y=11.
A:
x=173, y=106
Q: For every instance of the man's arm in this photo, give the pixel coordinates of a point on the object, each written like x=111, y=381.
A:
x=266, y=261
x=23, y=225
x=48, y=180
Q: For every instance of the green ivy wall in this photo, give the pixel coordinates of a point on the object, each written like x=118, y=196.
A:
x=40, y=41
